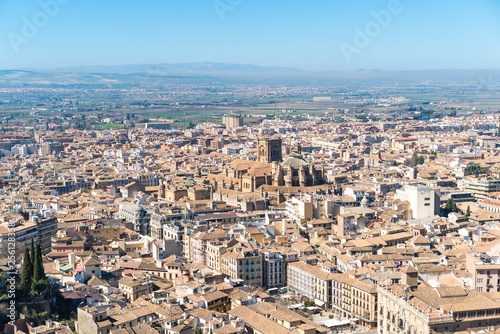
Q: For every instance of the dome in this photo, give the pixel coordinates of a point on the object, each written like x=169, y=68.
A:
x=190, y=182
x=294, y=160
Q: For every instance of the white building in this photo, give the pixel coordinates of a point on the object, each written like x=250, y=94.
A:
x=20, y=149
x=300, y=208
x=423, y=200
x=312, y=282
x=135, y=214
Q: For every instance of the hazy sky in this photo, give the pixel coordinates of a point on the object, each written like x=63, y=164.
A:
x=307, y=34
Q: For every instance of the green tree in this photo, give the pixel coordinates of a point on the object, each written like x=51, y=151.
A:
x=414, y=159
x=467, y=213
x=309, y=303
x=38, y=271
x=473, y=169
x=27, y=273
x=450, y=207
x=40, y=283
x=32, y=254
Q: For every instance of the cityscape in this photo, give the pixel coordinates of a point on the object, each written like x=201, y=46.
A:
x=236, y=193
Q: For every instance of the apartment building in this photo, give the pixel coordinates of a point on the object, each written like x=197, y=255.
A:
x=135, y=287
x=195, y=245
x=232, y=121
x=364, y=302
x=215, y=249
x=480, y=187
x=23, y=230
x=272, y=269
x=485, y=270
x=46, y=228
x=243, y=263
x=312, y=282
x=300, y=209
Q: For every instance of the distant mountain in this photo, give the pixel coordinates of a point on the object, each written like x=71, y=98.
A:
x=221, y=74
x=203, y=68
x=13, y=77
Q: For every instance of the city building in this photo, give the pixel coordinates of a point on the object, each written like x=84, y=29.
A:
x=423, y=200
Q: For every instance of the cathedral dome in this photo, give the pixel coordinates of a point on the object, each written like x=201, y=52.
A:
x=294, y=162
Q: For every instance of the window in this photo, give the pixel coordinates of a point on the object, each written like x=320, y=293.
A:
x=427, y=204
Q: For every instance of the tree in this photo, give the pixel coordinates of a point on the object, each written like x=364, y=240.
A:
x=27, y=272
x=309, y=303
x=473, y=169
x=416, y=160
x=32, y=254
x=38, y=271
x=467, y=213
x=450, y=207
x=39, y=283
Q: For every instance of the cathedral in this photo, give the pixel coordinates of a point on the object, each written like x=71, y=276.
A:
x=269, y=169
x=296, y=172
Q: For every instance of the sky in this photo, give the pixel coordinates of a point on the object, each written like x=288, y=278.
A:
x=313, y=35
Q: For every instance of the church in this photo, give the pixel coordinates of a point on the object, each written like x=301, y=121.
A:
x=269, y=169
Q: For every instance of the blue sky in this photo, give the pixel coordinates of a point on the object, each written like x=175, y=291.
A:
x=311, y=35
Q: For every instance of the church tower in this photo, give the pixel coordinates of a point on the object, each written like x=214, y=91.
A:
x=269, y=150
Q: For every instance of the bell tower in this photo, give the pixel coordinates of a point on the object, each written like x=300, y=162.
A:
x=269, y=150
